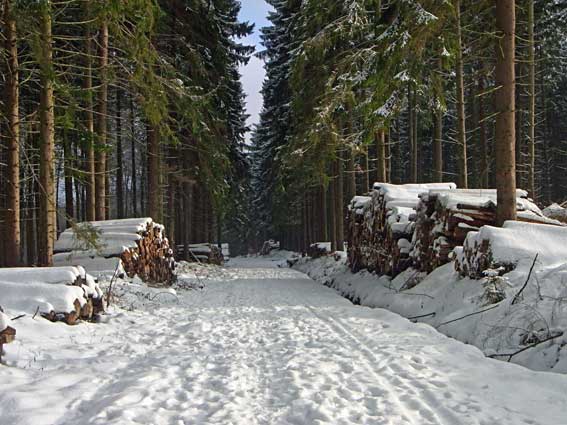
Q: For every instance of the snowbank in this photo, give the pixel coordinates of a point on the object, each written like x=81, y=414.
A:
x=514, y=246
x=97, y=266
x=4, y=321
x=444, y=300
x=50, y=275
x=27, y=298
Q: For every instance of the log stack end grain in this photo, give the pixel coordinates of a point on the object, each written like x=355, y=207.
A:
x=421, y=225
x=446, y=217
x=206, y=253
x=139, y=244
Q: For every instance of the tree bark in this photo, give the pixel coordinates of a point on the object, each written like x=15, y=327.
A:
x=68, y=163
x=119, y=154
x=154, y=198
x=438, y=137
x=100, y=180
x=48, y=206
x=411, y=135
x=532, y=101
x=332, y=208
x=133, y=153
x=505, y=135
x=340, y=204
x=380, y=156
x=461, y=115
x=484, y=151
x=12, y=95
x=91, y=163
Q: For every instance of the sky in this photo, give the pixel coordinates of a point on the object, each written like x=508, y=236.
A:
x=254, y=11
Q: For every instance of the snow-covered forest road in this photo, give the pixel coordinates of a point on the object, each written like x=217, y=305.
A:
x=266, y=345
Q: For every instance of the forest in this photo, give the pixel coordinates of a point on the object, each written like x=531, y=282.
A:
x=116, y=109
x=358, y=249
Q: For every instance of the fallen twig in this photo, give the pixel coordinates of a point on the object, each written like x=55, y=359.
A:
x=515, y=299
x=18, y=317
x=109, y=292
x=468, y=315
x=422, y=316
x=510, y=355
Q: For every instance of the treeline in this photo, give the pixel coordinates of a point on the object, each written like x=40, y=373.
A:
x=115, y=109
x=406, y=91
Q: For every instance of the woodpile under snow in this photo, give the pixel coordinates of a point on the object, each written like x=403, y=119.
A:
x=419, y=225
x=204, y=253
x=7, y=333
x=135, y=246
x=513, y=246
x=381, y=226
x=445, y=217
x=57, y=293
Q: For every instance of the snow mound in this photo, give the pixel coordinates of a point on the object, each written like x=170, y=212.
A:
x=27, y=298
x=97, y=266
x=50, y=275
x=4, y=321
x=556, y=212
x=407, y=195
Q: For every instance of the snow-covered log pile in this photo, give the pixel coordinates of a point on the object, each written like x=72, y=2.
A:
x=515, y=245
x=381, y=228
x=445, y=217
x=359, y=239
x=556, y=212
x=319, y=249
x=56, y=293
x=7, y=333
x=206, y=253
x=139, y=243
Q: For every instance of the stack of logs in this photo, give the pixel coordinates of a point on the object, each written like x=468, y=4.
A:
x=139, y=243
x=7, y=333
x=381, y=227
x=152, y=258
x=445, y=217
x=59, y=294
x=498, y=250
x=402, y=226
x=206, y=253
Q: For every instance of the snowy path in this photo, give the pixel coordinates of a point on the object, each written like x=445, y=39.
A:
x=269, y=346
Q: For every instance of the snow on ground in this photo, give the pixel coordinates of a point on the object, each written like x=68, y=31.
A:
x=258, y=343
x=477, y=312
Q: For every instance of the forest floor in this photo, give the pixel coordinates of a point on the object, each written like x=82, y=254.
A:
x=257, y=343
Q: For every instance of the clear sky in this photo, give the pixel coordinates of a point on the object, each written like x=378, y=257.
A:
x=254, y=11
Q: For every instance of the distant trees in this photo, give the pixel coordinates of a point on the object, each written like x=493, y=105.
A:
x=115, y=109
x=420, y=91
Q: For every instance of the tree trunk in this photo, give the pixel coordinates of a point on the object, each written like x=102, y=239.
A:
x=351, y=175
x=91, y=163
x=365, y=172
x=332, y=209
x=340, y=204
x=461, y=115
x=380, y=156
x=505, y=136
x=47, y=141
x=411, y=136
x=154, y=198
x=133, y=153
x=67, y=169
x=324, y=216
x=532, y=101
x=484, y=151
x=12, y=236
x=119, y=162
x=438, y=137
x=100, y=180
